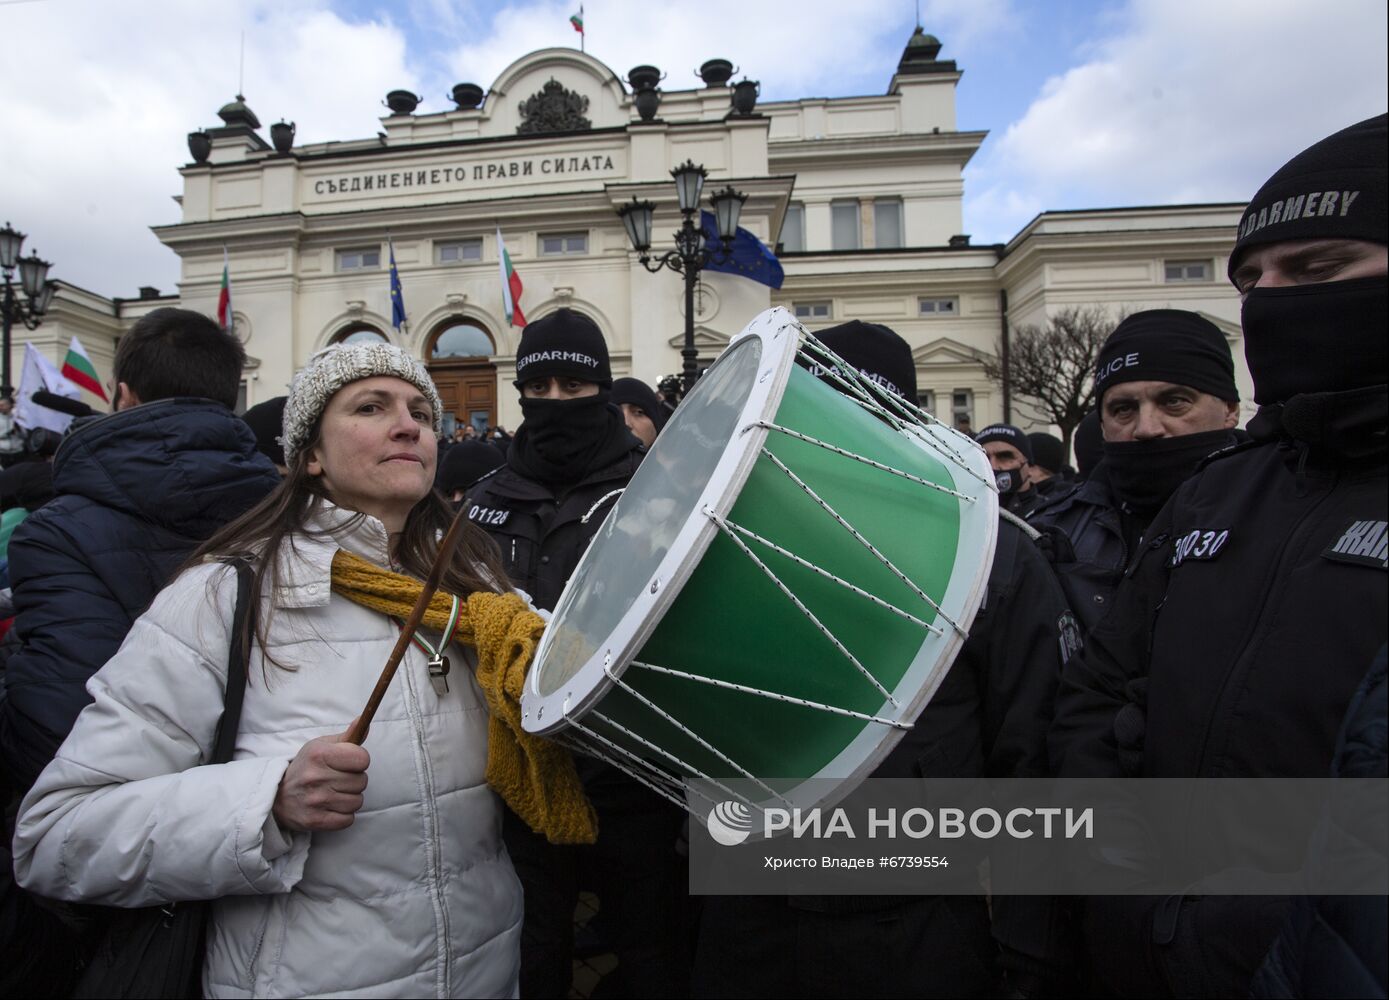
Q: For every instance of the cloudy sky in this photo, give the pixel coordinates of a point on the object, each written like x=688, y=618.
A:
x=1088, y=103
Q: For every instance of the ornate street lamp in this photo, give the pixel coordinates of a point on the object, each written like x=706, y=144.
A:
x=691, y=253
x=33, y=279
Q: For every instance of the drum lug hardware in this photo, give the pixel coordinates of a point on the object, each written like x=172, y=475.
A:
x=765, y=375
x=655, y=586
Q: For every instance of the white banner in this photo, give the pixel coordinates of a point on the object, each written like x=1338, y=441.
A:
x=40, y=373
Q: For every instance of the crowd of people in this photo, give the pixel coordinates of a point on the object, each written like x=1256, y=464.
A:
x=1192, y=599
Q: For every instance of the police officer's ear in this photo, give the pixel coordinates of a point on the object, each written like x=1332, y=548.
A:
x=1231, y=415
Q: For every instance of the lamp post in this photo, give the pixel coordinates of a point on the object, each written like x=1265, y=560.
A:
x=691, y=254
x=33, y=278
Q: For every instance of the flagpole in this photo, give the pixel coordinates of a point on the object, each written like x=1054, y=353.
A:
x=583, y=35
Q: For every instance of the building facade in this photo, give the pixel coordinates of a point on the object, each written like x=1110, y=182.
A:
x=863, y=195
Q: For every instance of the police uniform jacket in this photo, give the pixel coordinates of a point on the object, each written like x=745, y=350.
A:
x=542, y=530
x=1086, y=537
x=1233, y=647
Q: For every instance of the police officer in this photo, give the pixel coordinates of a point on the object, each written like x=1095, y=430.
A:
x=988, y=718
x=1010, y=455
x=567, y=464
x=1246, y=621
x=1167, y=399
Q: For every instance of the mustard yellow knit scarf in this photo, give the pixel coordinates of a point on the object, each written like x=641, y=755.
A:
x=535, y=777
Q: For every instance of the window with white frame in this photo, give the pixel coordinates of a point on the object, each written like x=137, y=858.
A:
x=938, y=307
x=1186, y=270
x=844, y=225
x=962, y=409
x=793, y=228
x=812, y=310
x=359, y=259
x=458, y=251
x=926, y=399
x=887, y=223
x=560, y=244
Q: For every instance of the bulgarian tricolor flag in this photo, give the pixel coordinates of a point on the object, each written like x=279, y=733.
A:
x=511, y=284
x=577, y=20
x=224, y=305
x=78, y=368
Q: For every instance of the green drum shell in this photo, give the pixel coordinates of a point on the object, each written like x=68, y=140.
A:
x=731, y=622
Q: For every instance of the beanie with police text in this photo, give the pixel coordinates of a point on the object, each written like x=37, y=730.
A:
x=1168, y=345
x=876, y=351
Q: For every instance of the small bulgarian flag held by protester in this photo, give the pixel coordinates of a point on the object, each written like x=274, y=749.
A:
x=511, y=284
x=224, y=303
x=577, y=20
x=78, y=368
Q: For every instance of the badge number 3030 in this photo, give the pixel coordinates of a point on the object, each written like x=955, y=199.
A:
x=1201, y=543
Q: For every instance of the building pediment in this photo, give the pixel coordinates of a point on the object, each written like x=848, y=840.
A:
x=944, y=351
x=555, y=90
x=706, y=340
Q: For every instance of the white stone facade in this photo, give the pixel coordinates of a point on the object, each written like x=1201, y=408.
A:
x=871, y=189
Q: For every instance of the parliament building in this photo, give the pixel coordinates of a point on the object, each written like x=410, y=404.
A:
x=861, y=197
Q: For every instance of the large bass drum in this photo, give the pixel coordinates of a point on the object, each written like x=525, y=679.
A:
x=780, y=589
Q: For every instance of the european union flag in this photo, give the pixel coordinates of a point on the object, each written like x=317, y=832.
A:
x=750, y=257
x=397, y=299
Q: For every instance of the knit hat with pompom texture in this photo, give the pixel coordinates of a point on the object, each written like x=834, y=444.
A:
x=334, y=367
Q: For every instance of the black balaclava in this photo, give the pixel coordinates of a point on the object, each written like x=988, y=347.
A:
x=1327, y=337
x=562, y=440
x=1144, y=474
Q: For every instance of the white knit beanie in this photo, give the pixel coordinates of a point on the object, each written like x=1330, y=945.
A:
x=334, y=367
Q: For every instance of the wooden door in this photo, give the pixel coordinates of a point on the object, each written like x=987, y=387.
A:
x=468, y=391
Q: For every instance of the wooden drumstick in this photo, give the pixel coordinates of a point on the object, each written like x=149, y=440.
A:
x=358, y=732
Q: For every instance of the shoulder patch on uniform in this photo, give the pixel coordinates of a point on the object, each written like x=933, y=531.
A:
x=1068, y=636
x=488, y=515
x=1361, y=543
x=1198, y=544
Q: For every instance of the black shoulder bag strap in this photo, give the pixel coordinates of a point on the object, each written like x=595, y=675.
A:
x=242, y=627
x=157, y=951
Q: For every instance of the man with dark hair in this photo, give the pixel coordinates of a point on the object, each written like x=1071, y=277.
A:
x=136, y=491
x=567, y=464
x=1167, y=399
x=1244, y=623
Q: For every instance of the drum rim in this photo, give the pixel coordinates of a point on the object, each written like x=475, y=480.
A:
x=592, y=682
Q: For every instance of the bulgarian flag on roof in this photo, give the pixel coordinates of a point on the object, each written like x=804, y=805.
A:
x=78, y=368
x=511, y=284
x=577, y=20
x=224, y=305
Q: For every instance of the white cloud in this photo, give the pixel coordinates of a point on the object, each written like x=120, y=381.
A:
x=1187, y=100
x=794, y=48
x=103, y=95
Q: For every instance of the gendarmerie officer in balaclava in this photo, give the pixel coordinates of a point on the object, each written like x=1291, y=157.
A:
x=567, y=464
x=1010, y=456
x=988, y=718
x=1167, y=399
x=1248, y=617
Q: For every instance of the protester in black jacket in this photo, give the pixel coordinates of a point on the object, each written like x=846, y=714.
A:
x=137, y=490
x=988, y=718
x=1243, y=627
x=566, y=466
x=1166, y=385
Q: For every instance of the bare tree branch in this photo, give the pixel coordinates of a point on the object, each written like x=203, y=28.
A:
x=1051, y=368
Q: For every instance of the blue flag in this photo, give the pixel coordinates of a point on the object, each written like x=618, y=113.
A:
x=750, y=257
x=397, y=299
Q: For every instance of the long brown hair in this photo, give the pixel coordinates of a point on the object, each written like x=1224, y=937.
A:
x=257, y=536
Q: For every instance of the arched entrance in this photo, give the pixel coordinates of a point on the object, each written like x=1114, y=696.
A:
x=459, y=351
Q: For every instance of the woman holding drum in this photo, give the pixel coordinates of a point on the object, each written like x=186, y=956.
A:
x=324, y=882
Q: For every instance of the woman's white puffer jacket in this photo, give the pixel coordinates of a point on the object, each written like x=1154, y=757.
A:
x=416, y=898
